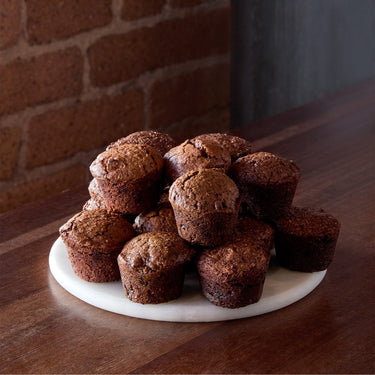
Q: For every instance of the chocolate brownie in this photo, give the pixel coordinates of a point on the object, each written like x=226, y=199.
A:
x=91, y=204
x=267, y=184
x=164, y=196
x=236, y=146
x=160, y=219
x=205, y=204
x=193, y=155
x=306, y=239
x=94, y=239
x=255, y=231
x=128, y=177
x=160, y=141
x=94, y=191
x=96, y=199
x=152, y=267
x=232, y=275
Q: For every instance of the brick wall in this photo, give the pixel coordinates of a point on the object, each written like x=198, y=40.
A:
x=78, y=74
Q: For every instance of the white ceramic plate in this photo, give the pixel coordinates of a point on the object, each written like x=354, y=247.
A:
x=281, y=288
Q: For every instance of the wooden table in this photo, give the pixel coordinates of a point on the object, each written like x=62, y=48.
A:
x=46, y=330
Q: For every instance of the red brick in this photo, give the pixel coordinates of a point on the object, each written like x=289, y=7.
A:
x=189, y=95
x=117, y=58
x=43, y=187
x=10, y=17
x=212, y=122
x=133, y=9
x=41, y=79
x=10, y=140
x=84, y=126
x=48, y=20
x=186, y=3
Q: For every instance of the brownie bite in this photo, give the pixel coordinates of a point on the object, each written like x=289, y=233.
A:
x=195, y=154
x=164, y=196
x=160, y=141
x=96, y=199
x=205, y=204
x=95, y=192
x=128, y=177
x=267, y=184
x=160, y=219
x=152, y=267
x=255, y=231
x=94, y=238
x=306, y=239
x=236, y=146
x=233, y=275
x=91, y=204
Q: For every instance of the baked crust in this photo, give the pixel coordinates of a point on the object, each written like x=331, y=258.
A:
x=267, y=184
x=159, y=141
x=306, y=239
x=195, y=154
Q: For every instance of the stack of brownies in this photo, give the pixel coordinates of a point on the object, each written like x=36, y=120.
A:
x=209, y=205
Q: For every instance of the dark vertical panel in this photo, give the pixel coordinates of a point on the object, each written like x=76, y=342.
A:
x=295, y=51
x=242, y=75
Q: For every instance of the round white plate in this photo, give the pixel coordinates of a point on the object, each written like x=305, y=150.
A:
x=281, y=288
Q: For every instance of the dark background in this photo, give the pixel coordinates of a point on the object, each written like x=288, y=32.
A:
x=289, y=52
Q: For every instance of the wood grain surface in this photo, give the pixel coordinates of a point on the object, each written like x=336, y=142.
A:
x=43, y=329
